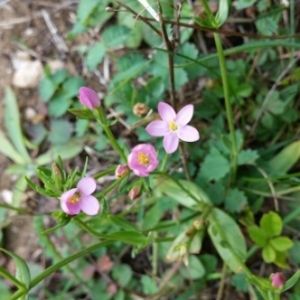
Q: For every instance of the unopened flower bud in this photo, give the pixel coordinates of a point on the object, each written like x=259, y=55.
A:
x=121, y=171
x=140, y=109
x=135, y=192
x=88, y=98
x=278, y=280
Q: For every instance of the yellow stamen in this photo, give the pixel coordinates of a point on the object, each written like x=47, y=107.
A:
x=143, y=159
x=173, y=126
x=75, y=198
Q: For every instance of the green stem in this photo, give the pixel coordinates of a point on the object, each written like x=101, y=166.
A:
x=58, y=266
x=101, y=118
x=164, y=163
x=11, y=278
x=88, y=229
x=109, y=188
x=234, y=150
x=154, y=256
x=106, y=172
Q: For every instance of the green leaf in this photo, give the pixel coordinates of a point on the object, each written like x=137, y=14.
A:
x=294, y=252
x=247, y=157
x=18, y=191
x=60, y=132
x=286, y=158
x=13, y=124
x=47, y=88
x=257, y=235
x=291, y=281
x=239, y=281
x=22, y=270
x=281, y=243
x=242, y=4
x=271, y=224
x=222, y=13
x=122, y=273
x=149, y=285
x=268, y=253
x=215, y=165
x=194, y=270
x=121, y=222
x=235, y=200
x=95, y=56
x=8, y=150
x=184, y=192
x=66, y=151
x=85, y=9
x=128, y=237
x=152, y=216
x=266, y=25
x=115, y=35
x=230, y=244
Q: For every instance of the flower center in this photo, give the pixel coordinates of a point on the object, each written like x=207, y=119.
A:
x=173, y=126
x=143, y=159
x=75, y=198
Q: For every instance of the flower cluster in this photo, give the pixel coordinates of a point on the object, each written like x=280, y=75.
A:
x=143, y=158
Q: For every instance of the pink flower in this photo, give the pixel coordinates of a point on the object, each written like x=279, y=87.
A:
x=142, y=160
x=80, y=199
x=121, y=171
x=278, y=280
x=173, y=126
x=88, y=98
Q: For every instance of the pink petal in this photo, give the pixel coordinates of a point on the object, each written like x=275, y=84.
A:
x=171, y=142
x=157, y=128
x=67, y=195
x=90, y=205
x=70, y=208
x=185, y=115
x=141, y=172
x=188, y=133
x=166, y=112
x=86, y=185
x=88, y=97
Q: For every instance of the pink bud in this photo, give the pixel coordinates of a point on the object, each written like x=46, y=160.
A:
x=88, y=98
x=135, y=192
x=121, y=171
x=278, y=280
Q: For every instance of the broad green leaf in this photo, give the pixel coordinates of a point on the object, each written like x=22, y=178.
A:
x=257, y=235
x=235, y=200
x=60, y=131
x=247, y=157
x=128, y=237
x=184, y=192
x=215, y=165
x=281, y=243
x=7, y=149
x=194, y=270
x=47, y=88
x=291, y=281
x=122, y=273
x=239, y=281
x=227, y=238
x=115, y=35
x=242, y=4
x=65, y=151
x=266, y=25
x=122, y=223
x=286, y=158
x=13, y=124
x=268, y=253
x=85, y=9
x=22, y=270
x=271, y=224
x=152, y=216
x=149, y=285
x=95, y=56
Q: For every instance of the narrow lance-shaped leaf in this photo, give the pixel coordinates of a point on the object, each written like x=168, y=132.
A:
x=13, y=125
